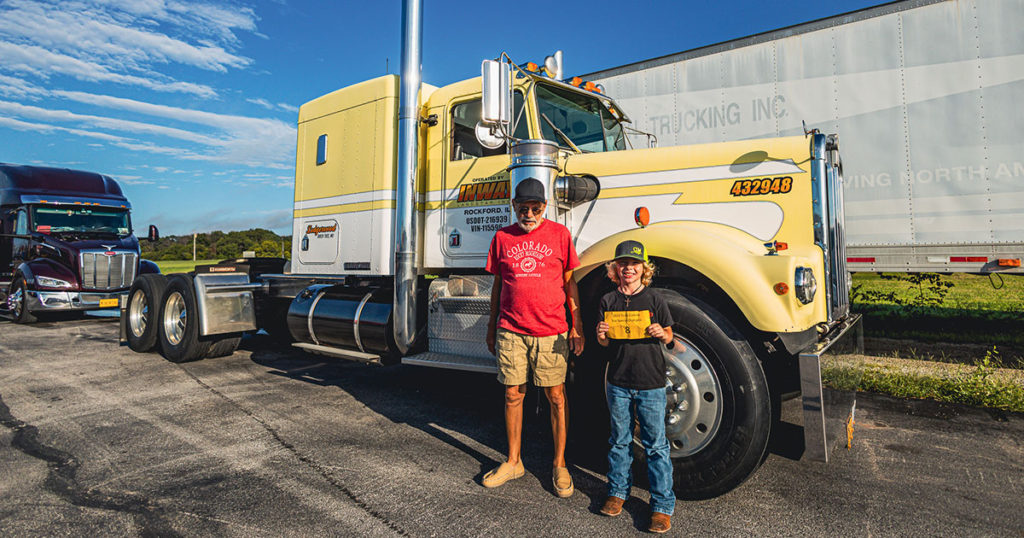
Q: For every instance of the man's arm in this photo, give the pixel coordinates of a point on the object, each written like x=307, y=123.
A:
x=492, y=323
x=572, y=297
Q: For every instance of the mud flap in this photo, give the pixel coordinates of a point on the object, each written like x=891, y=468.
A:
x=829, y=415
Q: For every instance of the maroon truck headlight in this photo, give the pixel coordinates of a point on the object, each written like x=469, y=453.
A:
x=48, y=282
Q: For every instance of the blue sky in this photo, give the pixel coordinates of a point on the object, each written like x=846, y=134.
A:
x=191, y=104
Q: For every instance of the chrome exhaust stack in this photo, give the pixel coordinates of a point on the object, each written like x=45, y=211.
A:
x=406, y=233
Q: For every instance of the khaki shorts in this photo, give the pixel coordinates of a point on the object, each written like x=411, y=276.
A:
x=546, y=356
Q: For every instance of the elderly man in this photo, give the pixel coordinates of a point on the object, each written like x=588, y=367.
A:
x=532, y=261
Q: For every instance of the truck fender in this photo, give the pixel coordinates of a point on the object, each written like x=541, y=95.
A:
x=43, y=267
x=733, y=260
x=146, y=266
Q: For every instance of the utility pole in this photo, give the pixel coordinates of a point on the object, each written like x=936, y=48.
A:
x=193, y=246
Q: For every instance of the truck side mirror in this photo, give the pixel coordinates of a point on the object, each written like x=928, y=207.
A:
x=154, y=234
x=497, y=93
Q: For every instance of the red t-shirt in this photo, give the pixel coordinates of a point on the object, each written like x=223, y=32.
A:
x=531, y=267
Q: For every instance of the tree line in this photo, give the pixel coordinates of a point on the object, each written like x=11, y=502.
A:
x=218, y=245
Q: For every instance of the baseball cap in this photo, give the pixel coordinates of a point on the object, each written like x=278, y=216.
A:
x=631, y=249
x=530, y=189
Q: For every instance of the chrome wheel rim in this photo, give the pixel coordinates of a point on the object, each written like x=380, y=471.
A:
x=693, y=410
x=175, y=318
x=14, y=301
x=138, y=313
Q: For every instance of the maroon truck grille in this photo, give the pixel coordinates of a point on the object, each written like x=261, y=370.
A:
x=108, y=270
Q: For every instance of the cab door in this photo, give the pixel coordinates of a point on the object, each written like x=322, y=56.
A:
x=476, y=186
x=20, y=251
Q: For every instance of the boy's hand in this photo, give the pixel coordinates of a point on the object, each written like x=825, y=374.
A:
x=657, y=331
x=602, y=330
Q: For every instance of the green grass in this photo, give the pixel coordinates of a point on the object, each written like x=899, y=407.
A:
x=976, y=385
x=181, y=266
x=969, y=292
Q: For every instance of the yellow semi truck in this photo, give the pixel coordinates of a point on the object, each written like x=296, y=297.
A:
x=400, y=186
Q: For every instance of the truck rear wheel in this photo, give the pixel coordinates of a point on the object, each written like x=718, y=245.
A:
x=143, y=304
x=224, y=346
x=17, y=303
x=178, y=322
x=719, y=414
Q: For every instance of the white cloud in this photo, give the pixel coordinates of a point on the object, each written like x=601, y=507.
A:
x=271, y=106
x=42, y=63
x=90, y=33
x=246, y=140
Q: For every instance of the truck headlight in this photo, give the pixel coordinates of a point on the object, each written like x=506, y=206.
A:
x=804, y=284
x=52, y=282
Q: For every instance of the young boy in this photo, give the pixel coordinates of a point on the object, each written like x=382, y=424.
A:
x=635, y=325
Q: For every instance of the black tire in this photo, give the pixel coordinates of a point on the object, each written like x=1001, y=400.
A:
x=737, y=444
x=143, y=305
x=178, y=322
x=223, y=347
x=17, y=302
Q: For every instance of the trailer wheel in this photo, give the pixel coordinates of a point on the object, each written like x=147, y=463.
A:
x=179, y=322
x=17, y=303
x=143, y=304
x=718, y=415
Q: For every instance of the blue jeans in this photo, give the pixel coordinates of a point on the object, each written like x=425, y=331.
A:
x=648, y=406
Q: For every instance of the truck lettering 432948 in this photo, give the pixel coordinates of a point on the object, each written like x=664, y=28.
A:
x=768, y=185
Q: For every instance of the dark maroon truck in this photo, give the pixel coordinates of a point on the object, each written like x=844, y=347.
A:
x=66, y=242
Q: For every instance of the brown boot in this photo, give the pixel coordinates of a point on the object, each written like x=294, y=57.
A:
x=612, y=506
x=660, y=523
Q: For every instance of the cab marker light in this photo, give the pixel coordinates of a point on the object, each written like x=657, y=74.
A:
x=576, y=81
x=1009, y=262
x=642, y=217
x=781, y=288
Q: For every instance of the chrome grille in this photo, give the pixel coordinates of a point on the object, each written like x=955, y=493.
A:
x=108, y=272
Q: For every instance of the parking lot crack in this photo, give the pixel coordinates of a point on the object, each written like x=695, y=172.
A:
x=61, y=479
x=316, y=466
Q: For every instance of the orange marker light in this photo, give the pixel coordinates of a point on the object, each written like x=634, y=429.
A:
x=781, y=288
x=590, y=86
x=642, y=217
x=576, y=81
x=1009, y=262
x=779, y=245
x=532, y=67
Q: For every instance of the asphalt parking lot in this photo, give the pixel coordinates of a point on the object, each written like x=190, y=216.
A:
x=98, y=440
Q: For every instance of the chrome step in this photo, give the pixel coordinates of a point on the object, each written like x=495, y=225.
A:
x=453, y=362
x=347, y=354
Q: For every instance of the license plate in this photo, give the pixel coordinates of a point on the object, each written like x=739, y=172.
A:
x=104, y=303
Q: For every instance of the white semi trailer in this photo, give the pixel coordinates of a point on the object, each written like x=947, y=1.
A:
x=925, y=95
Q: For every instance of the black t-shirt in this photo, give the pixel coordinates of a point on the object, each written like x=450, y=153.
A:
x=637, y=364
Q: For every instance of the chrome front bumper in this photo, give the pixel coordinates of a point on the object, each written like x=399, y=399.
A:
x=54, y=301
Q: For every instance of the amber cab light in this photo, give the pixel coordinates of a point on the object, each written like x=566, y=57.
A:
x=781, y=288
x=1009, y=262
x=532, y=67
x=779, y=245
x=576, y=81
x=642, y=217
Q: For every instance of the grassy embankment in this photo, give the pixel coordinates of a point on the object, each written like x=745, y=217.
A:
x=961, y=343
x=181, y=266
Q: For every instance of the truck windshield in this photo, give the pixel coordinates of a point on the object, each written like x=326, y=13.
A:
x=55, y=219
x=584, y=119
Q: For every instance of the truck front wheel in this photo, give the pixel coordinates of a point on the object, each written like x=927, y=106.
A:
x=143, y=304
x=718, y=415
x=179, y=322
x=17, y=303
